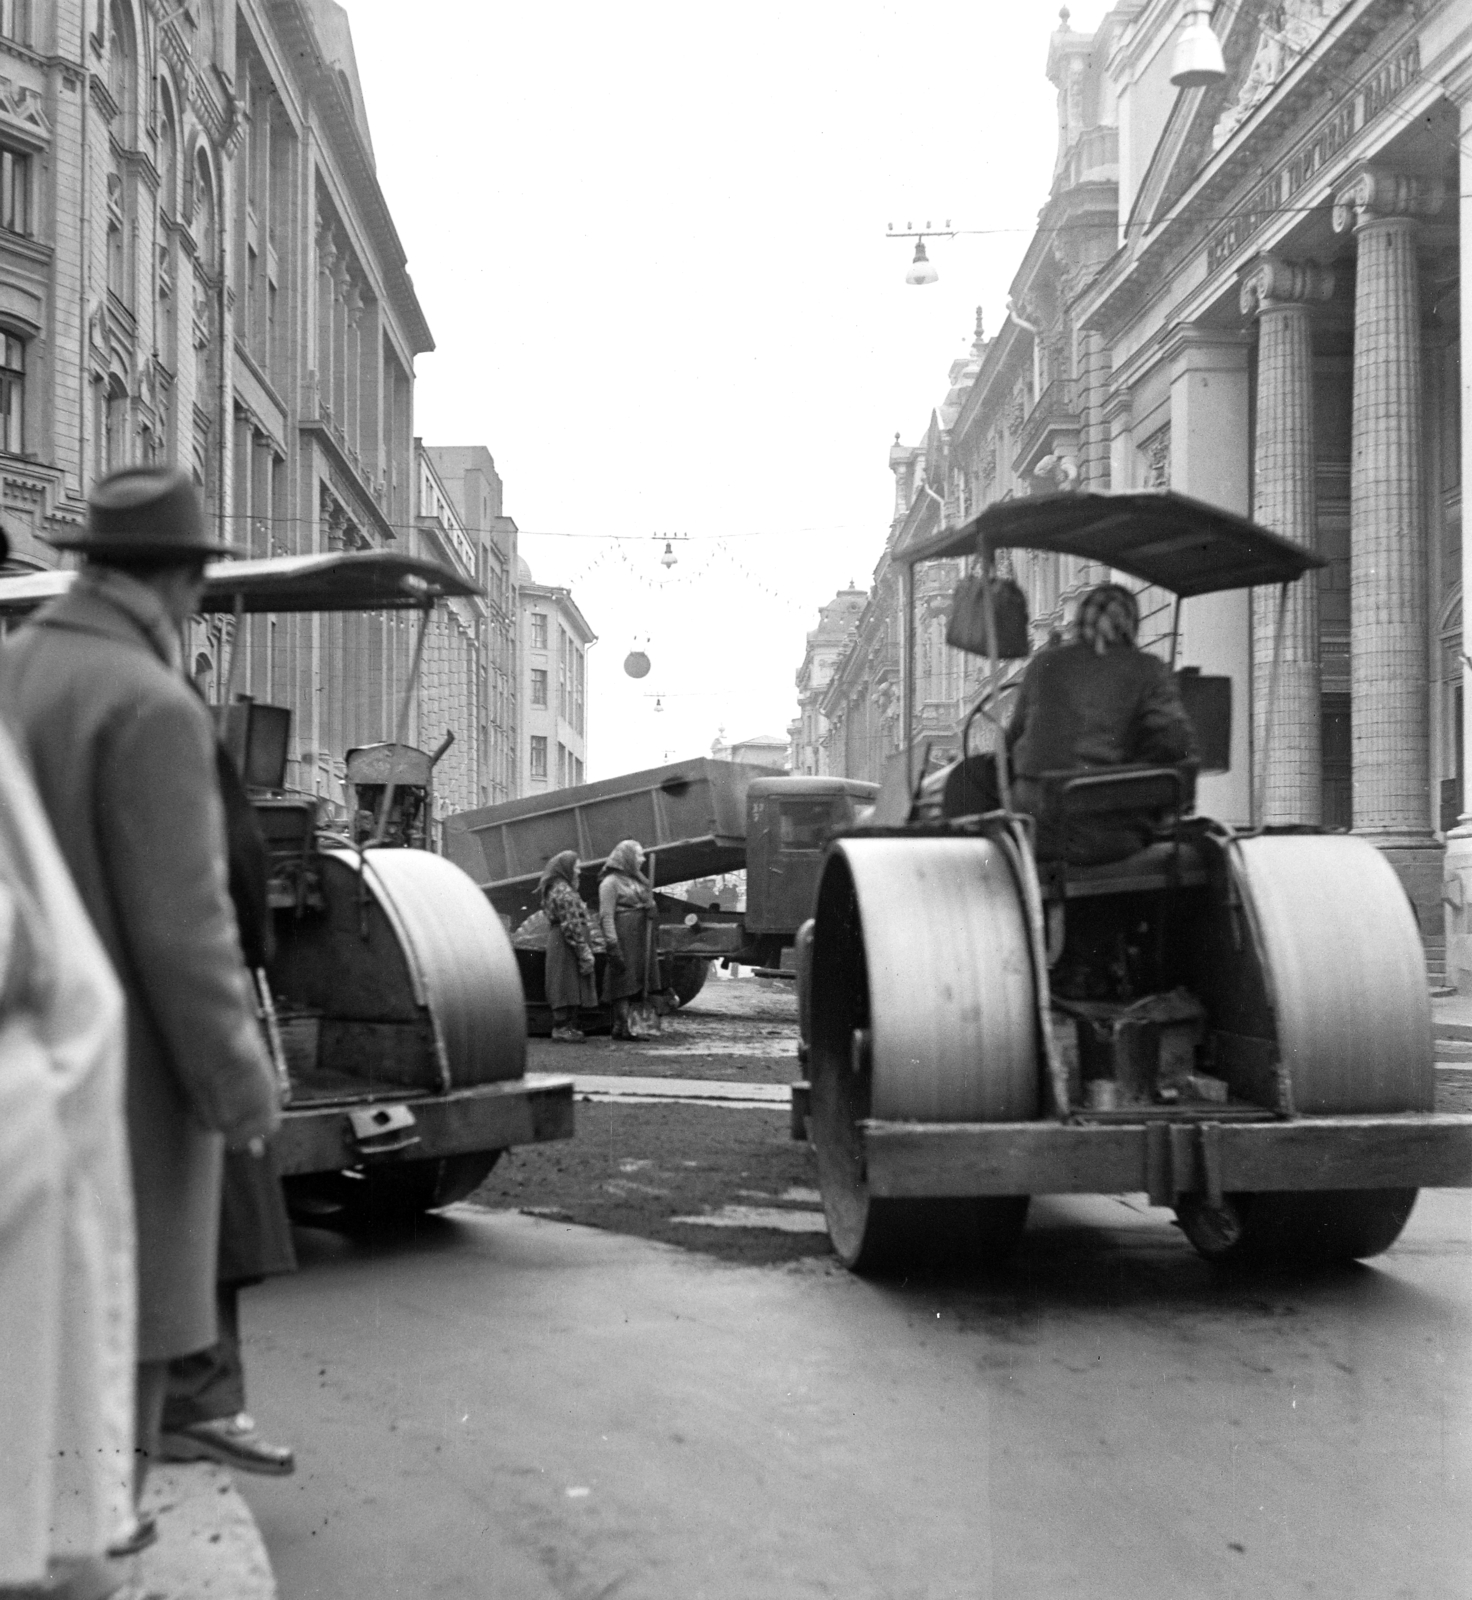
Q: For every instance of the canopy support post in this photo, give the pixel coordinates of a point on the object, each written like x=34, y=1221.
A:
x=1260, y=786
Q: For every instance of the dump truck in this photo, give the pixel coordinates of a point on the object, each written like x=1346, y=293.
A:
x=696, y=819
x=1234, y=1020
x=393, y=1005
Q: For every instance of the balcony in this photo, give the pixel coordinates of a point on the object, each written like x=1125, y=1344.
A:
x=1050, y=428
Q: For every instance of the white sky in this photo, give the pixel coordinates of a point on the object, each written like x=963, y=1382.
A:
x=650, y=242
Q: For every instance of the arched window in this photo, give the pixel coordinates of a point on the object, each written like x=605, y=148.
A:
x=204, y=212
x=168, y=153
x=122, y=68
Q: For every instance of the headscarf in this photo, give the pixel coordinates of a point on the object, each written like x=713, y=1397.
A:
x=563, y=865
x=1108, y=618
x=624, y=859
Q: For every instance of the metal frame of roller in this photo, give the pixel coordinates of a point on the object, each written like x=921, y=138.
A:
x=1284, y=970
x=937, y=1104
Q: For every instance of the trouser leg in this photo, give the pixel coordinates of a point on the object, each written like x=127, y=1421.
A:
x=565, y=1017
x=210, y=1383
x=152, y=1384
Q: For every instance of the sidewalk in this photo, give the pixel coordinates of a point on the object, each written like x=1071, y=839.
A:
x=208, y=1546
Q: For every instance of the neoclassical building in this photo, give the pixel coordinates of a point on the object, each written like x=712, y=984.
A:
x=1252, y=293
x=197, y=264
x=810, y=750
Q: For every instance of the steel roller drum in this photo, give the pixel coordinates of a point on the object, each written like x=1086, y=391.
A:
x=1346, y=972
x=951, y=995
x=459, y=959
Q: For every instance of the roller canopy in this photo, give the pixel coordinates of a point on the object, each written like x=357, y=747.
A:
x=1167, y=539
x=339, y=580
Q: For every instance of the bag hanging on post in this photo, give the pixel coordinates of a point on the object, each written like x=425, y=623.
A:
x=967, y=627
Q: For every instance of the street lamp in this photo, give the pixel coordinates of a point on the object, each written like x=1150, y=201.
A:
x=1198, y=61
x=922, y=269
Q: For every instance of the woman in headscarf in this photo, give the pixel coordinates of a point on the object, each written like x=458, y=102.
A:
x=1094, y=702
x=625, y=907
x=569, y=945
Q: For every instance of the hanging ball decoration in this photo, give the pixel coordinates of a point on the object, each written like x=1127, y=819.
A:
x=636, y=664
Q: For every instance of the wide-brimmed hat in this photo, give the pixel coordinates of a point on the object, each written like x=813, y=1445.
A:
x=144, y=511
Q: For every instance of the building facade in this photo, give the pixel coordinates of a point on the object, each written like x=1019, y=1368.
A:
x=1251, y=292
x=810, y=752
x=554, y=642
x=197, y=264
x=467, y=475
x=760, y=750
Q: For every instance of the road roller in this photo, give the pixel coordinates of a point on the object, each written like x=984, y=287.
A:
x=1234, y=1021
x=393, y=1006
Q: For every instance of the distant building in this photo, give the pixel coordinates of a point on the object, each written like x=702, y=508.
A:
x=809, y=753
x=761, y=750
x=555, y=638
x=468, y=473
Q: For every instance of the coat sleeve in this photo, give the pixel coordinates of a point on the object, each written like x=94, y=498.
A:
x=1163, y=732
x=1022, y=710
x=607, y=906
x=163, y=844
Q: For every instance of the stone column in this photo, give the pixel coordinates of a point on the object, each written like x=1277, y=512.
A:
x=1286, y=739
x=1388, y=653
x=1457, y=892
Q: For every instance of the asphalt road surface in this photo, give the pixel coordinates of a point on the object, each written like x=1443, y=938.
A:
x=659, y=1386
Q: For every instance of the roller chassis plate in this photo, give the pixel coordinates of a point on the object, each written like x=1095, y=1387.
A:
x=1166, y=1159
x=488, y=1116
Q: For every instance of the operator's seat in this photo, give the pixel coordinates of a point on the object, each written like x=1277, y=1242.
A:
x=1091, y=817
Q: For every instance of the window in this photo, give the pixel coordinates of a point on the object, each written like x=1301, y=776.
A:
x=15, y=191
x=15, y=20
x=539, y=686
x=577, y=769
x=539, y=630
x=561, y=765
x=539, y=755
x=578, y=686
x=804, y=824
x=12, y=394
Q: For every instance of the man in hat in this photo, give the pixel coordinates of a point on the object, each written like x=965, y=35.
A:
x=123, y=753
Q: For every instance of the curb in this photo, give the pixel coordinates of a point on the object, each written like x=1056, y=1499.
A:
x=208, y=1547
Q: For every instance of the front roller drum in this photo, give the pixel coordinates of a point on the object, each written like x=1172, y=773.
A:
x=923, y=1008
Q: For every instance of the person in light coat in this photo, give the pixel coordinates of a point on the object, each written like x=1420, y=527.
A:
x=67, y=1312
x=123, y=753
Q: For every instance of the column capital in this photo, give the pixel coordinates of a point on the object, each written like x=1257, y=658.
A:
x=1271, y=281
x=1374, y=193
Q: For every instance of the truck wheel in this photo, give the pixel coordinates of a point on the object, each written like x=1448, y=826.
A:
x=1300, y=1228
x=386, y=1196
x=687, y=977
x=922, y=1010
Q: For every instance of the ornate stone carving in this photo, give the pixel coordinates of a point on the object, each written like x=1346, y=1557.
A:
x=1374, y=192
x=1156, y=450
x=1271, y=280
x=1286, y=29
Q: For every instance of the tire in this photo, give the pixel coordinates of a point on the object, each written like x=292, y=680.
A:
x=1309, y=1228
x=687, y=977
x=386, y=1197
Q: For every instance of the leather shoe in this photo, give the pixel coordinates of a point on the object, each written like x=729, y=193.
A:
x=232, y=1441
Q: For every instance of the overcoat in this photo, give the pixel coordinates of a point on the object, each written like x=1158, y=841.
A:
x=123, y=754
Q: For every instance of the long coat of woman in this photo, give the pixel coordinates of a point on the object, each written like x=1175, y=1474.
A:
x=569, y=936
x=625, y=907
x=123, y=754
x=66, y=1212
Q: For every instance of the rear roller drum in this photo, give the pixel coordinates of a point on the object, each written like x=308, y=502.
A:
x=1302, y=1228
x=922, y=1009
